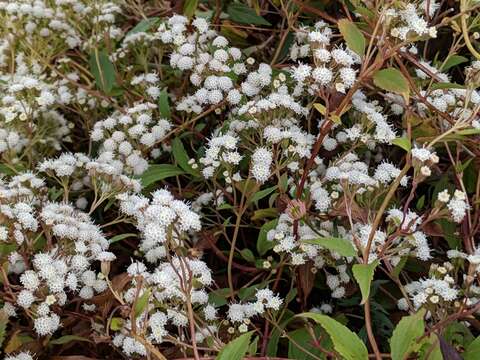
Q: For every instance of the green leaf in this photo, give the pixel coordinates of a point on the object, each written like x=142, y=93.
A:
x=6, y=249
x=120, y=237
x=420, y=203
x=247, y=254
x=274, y=338
x=252, y=348
x=181, y=157
x=303, y=338
x=116, y=324
x=339, y=245
x=352, y=35
x=68, y=338
x=363, y=273
x=405, y=335
x=452, y=61
x=263, y=245
x=235, y=349
x=159, y=172
x=403, y=143
x=472, y=351
x=446, y=85
x=323, y=110
x=218, y=297
x=144, y=25
x=261, y=194
x=164, y=105
x=430, y=349
x=142, y=303
x=4, y=169
x=467, y=132
x=189, y=8
x=264, y=213
x=345, y=342
x=103, y=71
x=242, y=14
x=392, y=80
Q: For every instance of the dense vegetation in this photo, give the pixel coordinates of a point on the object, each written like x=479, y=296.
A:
x=239, y=179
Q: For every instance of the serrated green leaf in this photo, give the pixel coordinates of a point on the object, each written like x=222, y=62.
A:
x=403, y=143
x=339, y=245
x=405, y=335
x=363, y=273
x=159, y=172
x=102, y=70
x=392, y=80
x=242, y=14
x=345, y=342
x=352, y=35
x=263, y=245
x=235, y=349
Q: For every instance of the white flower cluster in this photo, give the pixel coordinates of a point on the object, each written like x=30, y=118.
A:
x=28, y=115
x=458, y=103
x=261, y=163
x=415, y=243
x=424, y=159
x=162, y=220
x=20, y=356
x=129, y=135
x=373, y=113
x=85, y=171
x=74, y=242
x=334, y=64
x=349, y=169
x=282, y=137
x=408, y=24
x=301, y=251
x=439, y=288
x=167, y=293
x=147, y=84
x=36, y=21
x=457, y=204
x=207, y=57
x=220, y=150
x=243, y=312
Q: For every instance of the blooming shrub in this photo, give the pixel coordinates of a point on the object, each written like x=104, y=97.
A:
x=238, y=179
